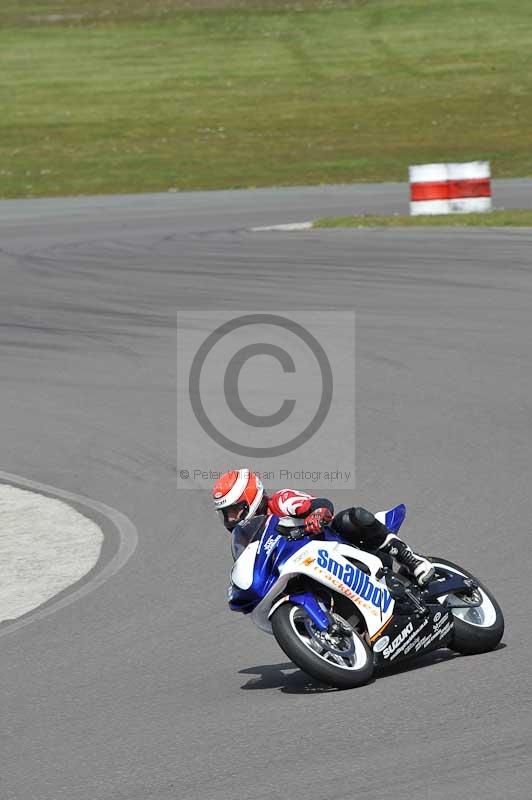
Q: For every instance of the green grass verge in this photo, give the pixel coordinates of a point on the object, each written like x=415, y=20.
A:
x=493, y=219
x=136, y=95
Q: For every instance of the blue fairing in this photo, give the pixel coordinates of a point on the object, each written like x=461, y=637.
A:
x=274, y=549
x=395, y=517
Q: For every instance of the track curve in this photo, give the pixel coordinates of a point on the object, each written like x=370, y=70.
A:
x=149, y=688
x=113, y=555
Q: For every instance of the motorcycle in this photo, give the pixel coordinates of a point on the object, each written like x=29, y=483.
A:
x=341, y=613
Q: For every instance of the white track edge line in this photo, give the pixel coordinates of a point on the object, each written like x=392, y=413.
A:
x=287, y=226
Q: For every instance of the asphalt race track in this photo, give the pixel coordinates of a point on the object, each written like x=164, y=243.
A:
x=149, y=688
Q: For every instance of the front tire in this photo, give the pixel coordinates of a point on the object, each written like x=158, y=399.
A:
x=476, y=629
x=340, y=660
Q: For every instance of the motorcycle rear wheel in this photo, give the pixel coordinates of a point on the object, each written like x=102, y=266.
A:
x=343, y=660
x=476, y=629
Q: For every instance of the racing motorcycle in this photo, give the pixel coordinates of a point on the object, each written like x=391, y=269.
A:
x=340, y=613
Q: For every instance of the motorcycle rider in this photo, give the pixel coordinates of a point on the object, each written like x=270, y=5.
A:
x=239, y=495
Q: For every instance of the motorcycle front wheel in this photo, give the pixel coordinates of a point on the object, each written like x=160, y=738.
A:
x=477, y=628
x=338, y=657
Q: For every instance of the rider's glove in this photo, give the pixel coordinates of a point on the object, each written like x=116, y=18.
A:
x=317, y=521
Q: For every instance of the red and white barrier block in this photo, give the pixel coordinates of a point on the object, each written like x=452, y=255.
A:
x=450, y=188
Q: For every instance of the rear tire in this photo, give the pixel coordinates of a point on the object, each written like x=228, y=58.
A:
x=475, y=630
x=343, y=662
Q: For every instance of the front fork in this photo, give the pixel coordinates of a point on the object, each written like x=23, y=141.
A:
x=322, y=620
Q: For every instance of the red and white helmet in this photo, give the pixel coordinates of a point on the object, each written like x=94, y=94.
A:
x=237, y=495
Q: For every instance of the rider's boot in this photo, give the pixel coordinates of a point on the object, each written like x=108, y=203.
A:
x=420, y=567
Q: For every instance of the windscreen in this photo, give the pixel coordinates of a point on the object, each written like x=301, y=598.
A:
x=245, y=532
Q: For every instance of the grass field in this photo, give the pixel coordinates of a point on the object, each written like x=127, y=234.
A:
x=499, y=219
x=136, y=96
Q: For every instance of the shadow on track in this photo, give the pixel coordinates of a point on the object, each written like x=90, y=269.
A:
x=289, y=679
x=430, y=660
x=286, y=677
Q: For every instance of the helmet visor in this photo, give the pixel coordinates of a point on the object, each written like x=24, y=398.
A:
x=234, y=514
